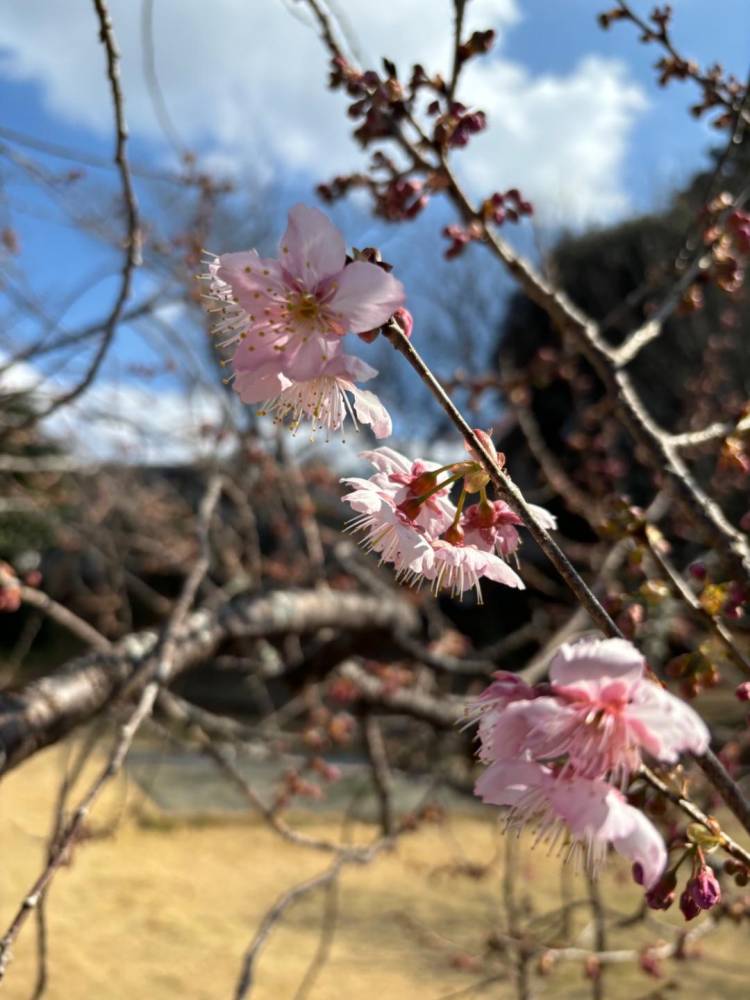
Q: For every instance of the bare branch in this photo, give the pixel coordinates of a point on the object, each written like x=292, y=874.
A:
x=132, y=243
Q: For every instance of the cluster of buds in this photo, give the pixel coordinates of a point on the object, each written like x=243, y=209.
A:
x=401, y=198
x=727, y=599
x=379, y=101
x=509, y=206
x=621, y=519
x=727, y=234
x=738, y=871
x=397, y=197
x=702, y=890
x=340, y=186
x=461, y=237
x=329, y=729
x=455, y=125
x=695, y=672
x=718, y=91
x=10, y=588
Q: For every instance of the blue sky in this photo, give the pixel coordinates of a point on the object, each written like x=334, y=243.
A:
x=576, y=121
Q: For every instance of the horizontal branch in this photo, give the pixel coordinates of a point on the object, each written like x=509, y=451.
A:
x=48, y=709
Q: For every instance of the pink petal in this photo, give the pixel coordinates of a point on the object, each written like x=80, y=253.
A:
x=370, y=410
x=667, y=725
x=312, y=248
x=366, y=296
x=308, y=359
x=387, y=460
x=595, y=659
x=546, y=520
x=255, y=352
x=506, y=782
x=261, y=385
x=252, y=279
x=643, y=845
x=498, y=570
x=350, y=367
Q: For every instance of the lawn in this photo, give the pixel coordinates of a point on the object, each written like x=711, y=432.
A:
x=162, y=904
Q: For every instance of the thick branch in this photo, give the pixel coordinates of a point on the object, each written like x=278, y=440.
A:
x=47, y=709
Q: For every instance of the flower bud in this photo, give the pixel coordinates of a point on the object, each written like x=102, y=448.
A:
x=661, y=896
x=404, y=320
x=688, y=905
x=705, y=888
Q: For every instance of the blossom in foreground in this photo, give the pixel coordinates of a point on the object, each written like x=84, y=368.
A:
x=591, y=812
x=406, y=516
x=287, y=317
x=599, y=712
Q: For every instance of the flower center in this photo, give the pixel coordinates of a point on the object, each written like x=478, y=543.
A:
x=304, y=307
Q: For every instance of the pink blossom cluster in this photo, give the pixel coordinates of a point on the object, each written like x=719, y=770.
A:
x=561, y=751
x=286, y=319
x=405, y=514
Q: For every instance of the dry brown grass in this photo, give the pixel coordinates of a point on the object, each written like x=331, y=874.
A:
x=164, y=909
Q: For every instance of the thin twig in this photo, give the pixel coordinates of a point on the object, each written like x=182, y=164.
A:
x=717, y=626
x=381, y=772
x=277, y=911
x=63, y=616
x=132, y=242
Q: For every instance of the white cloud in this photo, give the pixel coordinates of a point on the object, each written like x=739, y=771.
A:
x=248, y=79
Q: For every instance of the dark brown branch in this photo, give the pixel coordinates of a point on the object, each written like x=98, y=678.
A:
x=505, y=487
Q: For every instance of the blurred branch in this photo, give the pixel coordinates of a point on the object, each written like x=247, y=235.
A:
x=62, y=616
x=132, y=243
x=156, y=670
x=47, y=709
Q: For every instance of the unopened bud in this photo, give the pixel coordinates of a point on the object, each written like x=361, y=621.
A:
x=404, y=320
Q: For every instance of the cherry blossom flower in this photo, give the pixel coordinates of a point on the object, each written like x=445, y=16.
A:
x=406, y=516
x=287, y=319
x=593, y=813
x=385, y=529
x=600, y=711
x=492, y=525
x=298, y=307
x=415, y=488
